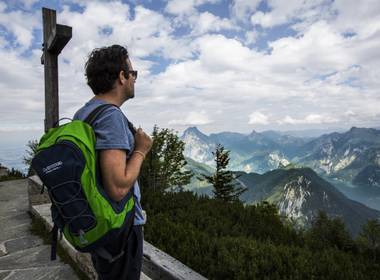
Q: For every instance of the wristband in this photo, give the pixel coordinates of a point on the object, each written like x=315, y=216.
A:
x=139, y=152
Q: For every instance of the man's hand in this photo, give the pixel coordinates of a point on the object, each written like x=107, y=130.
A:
x=143, y=142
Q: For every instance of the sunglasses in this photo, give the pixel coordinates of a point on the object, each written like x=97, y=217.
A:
x=133, y=73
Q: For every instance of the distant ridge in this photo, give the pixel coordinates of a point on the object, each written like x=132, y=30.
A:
x=299, y=193
x=349, y=160
x=302, y=133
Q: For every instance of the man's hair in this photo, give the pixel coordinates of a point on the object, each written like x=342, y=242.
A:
x=103, y=67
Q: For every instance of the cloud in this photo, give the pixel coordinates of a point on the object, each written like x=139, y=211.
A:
x=29, y=3
x=187, y=15
x=199, y=67
x=185, y=7
x=193, y=118
x=309, y=119
x=21, y=89
x=180, y=7
x=282, y=12
x=221, y=54
x=251, y=37
x=258, y=118
x=362, y=20
x=242, y=9
x=207, y=22
x=319, y=50
x=19, y=24
x=143, y=37
x=317, y=70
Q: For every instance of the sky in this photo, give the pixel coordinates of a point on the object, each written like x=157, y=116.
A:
x=215, y=64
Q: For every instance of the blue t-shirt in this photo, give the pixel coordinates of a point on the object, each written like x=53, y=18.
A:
x=112, y=132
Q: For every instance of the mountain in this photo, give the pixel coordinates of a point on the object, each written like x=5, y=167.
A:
x=299, y=194
x=198, y=146
x=247, y=152
x=369, y=177
x=342, y=154
x=350, y=160
x=261, y=162
x=311, y=133
x=198, y=186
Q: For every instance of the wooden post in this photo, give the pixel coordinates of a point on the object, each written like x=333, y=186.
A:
x=55, y=38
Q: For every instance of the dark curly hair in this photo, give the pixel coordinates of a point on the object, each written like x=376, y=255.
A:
x=103, y=67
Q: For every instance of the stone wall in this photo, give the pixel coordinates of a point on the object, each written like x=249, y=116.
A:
x=156, y=263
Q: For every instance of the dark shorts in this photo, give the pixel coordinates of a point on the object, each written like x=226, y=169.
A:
x=127, y=266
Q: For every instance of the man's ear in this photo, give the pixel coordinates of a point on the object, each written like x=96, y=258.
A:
x=122, y=77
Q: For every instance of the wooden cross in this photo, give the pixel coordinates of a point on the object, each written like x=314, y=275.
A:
x=56, y=37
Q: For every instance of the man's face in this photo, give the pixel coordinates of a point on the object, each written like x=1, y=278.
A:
x=130, y=84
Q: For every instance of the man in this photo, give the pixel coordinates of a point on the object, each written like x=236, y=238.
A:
x=111, y=77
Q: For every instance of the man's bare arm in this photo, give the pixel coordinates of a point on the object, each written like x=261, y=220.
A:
x=118, y=174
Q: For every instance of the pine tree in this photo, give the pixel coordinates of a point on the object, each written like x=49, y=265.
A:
x=326, y=232
x=164, y=166
x=30, y=152
x=369, y=237
x=223, y=180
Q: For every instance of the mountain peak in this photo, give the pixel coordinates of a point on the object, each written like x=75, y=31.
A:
x=354, y=128
x=253, y=133
x=193, y=130
x=363, y=132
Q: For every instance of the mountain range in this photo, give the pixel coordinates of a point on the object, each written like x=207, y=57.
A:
x=348, y=160
x=299, y=194
x=337, y=172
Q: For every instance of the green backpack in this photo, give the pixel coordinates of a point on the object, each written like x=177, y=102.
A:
x=66, y=162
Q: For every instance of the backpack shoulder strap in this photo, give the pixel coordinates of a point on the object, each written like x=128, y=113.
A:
x=96, y=112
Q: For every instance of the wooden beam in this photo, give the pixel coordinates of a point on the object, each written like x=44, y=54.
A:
x=59, y=38
x=51, y=71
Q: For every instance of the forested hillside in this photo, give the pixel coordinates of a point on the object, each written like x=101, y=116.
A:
x=231, y=241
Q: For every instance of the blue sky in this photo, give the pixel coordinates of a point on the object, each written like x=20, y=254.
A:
x=216, y=64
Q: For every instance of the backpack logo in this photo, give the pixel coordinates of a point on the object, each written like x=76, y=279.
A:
x=52, y=167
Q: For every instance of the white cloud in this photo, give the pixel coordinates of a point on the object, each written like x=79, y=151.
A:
x=21, y=89
x=363, y=19
x=186, y=14
x=207, y=22
x=193, y=118
x=286, y=11
x=314, y=71
x=185, y=7
x=221, y=54
x=180, y=7
x=319, y=50
x=29, y=3
x=143, y=37
x=317, y=78
x=242, y=9
x=251, y=37
x=349, y=113
x=258, y=118
x=309, y=119
x=19, y=24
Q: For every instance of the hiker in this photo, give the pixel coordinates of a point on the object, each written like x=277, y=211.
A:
x=121, y=151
